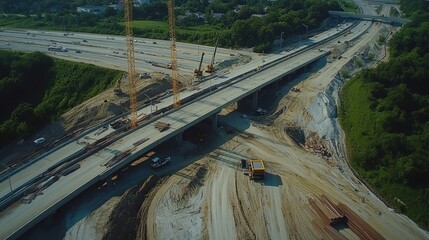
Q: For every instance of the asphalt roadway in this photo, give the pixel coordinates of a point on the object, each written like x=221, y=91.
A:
x=110, y=51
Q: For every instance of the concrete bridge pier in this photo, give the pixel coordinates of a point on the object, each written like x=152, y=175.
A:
x=179, y=139
x=255, y=100
x=275, y=85
x=214, y=121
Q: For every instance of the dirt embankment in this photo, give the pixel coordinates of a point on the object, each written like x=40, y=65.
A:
x=123, y=221
x=212, y=198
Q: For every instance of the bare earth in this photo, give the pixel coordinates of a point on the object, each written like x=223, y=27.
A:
x=210, y=197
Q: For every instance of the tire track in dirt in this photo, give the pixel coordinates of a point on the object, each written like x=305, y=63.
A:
x=221, y=223
x=240, y=217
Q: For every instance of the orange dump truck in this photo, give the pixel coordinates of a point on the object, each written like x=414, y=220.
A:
x=256, y=169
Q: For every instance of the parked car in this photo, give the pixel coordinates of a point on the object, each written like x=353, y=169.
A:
x=39, y=141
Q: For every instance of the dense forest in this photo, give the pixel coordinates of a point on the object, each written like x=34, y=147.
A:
x=235, y=20
x=35, y=89
x=385, y=114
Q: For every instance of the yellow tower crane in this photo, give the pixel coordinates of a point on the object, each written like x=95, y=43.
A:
x=172, y=28
x=132, y=76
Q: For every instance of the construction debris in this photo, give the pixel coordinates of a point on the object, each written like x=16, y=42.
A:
x=315, y=144
x=162, y=126
x=295, y=89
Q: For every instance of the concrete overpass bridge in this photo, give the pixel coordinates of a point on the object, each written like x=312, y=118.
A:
x=94, y=167
x=389, y=20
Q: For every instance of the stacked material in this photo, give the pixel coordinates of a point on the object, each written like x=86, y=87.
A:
x=358, y=225
x=339, y=216
x=117, y=158
x=327, y=211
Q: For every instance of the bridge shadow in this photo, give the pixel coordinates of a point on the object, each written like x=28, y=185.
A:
x=270, y=100
x=232, y=154
x=224, y=159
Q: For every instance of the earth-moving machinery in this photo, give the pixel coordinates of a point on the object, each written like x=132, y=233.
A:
x=210, y=68
x=198, y=72
x=256, y=169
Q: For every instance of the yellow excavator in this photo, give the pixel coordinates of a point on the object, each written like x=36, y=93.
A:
x=198, y=72
x=118, y=90
x=210, y=68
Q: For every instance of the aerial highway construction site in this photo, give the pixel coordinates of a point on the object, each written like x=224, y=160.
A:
x=218, y=166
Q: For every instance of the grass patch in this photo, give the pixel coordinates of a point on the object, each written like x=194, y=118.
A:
x=365, y=141
x=349, y=6
x=204, y=34
x=378, y=9
x=36, y=89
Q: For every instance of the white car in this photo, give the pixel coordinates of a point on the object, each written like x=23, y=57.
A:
x=39, y=141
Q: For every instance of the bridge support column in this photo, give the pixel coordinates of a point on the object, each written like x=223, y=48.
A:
x=276, y=84
x=255, y=100
x=179, y=139
x=214, y=121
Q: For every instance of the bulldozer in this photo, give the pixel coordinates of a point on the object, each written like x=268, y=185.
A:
x=198, y=72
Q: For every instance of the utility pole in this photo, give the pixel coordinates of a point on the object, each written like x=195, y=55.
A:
x=151, y=103
x=281, y=40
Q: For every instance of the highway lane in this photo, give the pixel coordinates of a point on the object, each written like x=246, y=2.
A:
x=101, y=48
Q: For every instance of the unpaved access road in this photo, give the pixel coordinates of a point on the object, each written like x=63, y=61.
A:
x=205, y=195
x=226, y=204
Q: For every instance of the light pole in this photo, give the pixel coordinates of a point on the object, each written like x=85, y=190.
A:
x=10, y=184
x=281, y=40
x=151, y=103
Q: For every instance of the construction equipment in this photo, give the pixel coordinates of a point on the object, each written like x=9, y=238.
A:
x=174, y=75
x=168, y=66
x=256, y=169
x=119, y=122
x=117, y=90
x=198, y=72
x=132, y=75
x=162, y=126
x=210, y=68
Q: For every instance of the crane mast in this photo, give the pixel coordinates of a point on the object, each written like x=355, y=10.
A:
x=132, y=76
x=172, y=28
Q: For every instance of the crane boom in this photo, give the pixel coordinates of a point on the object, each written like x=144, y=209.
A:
x=131, y=62
x=198, y=72
x=210, y=68
x=172, y=28
x=214, y=54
